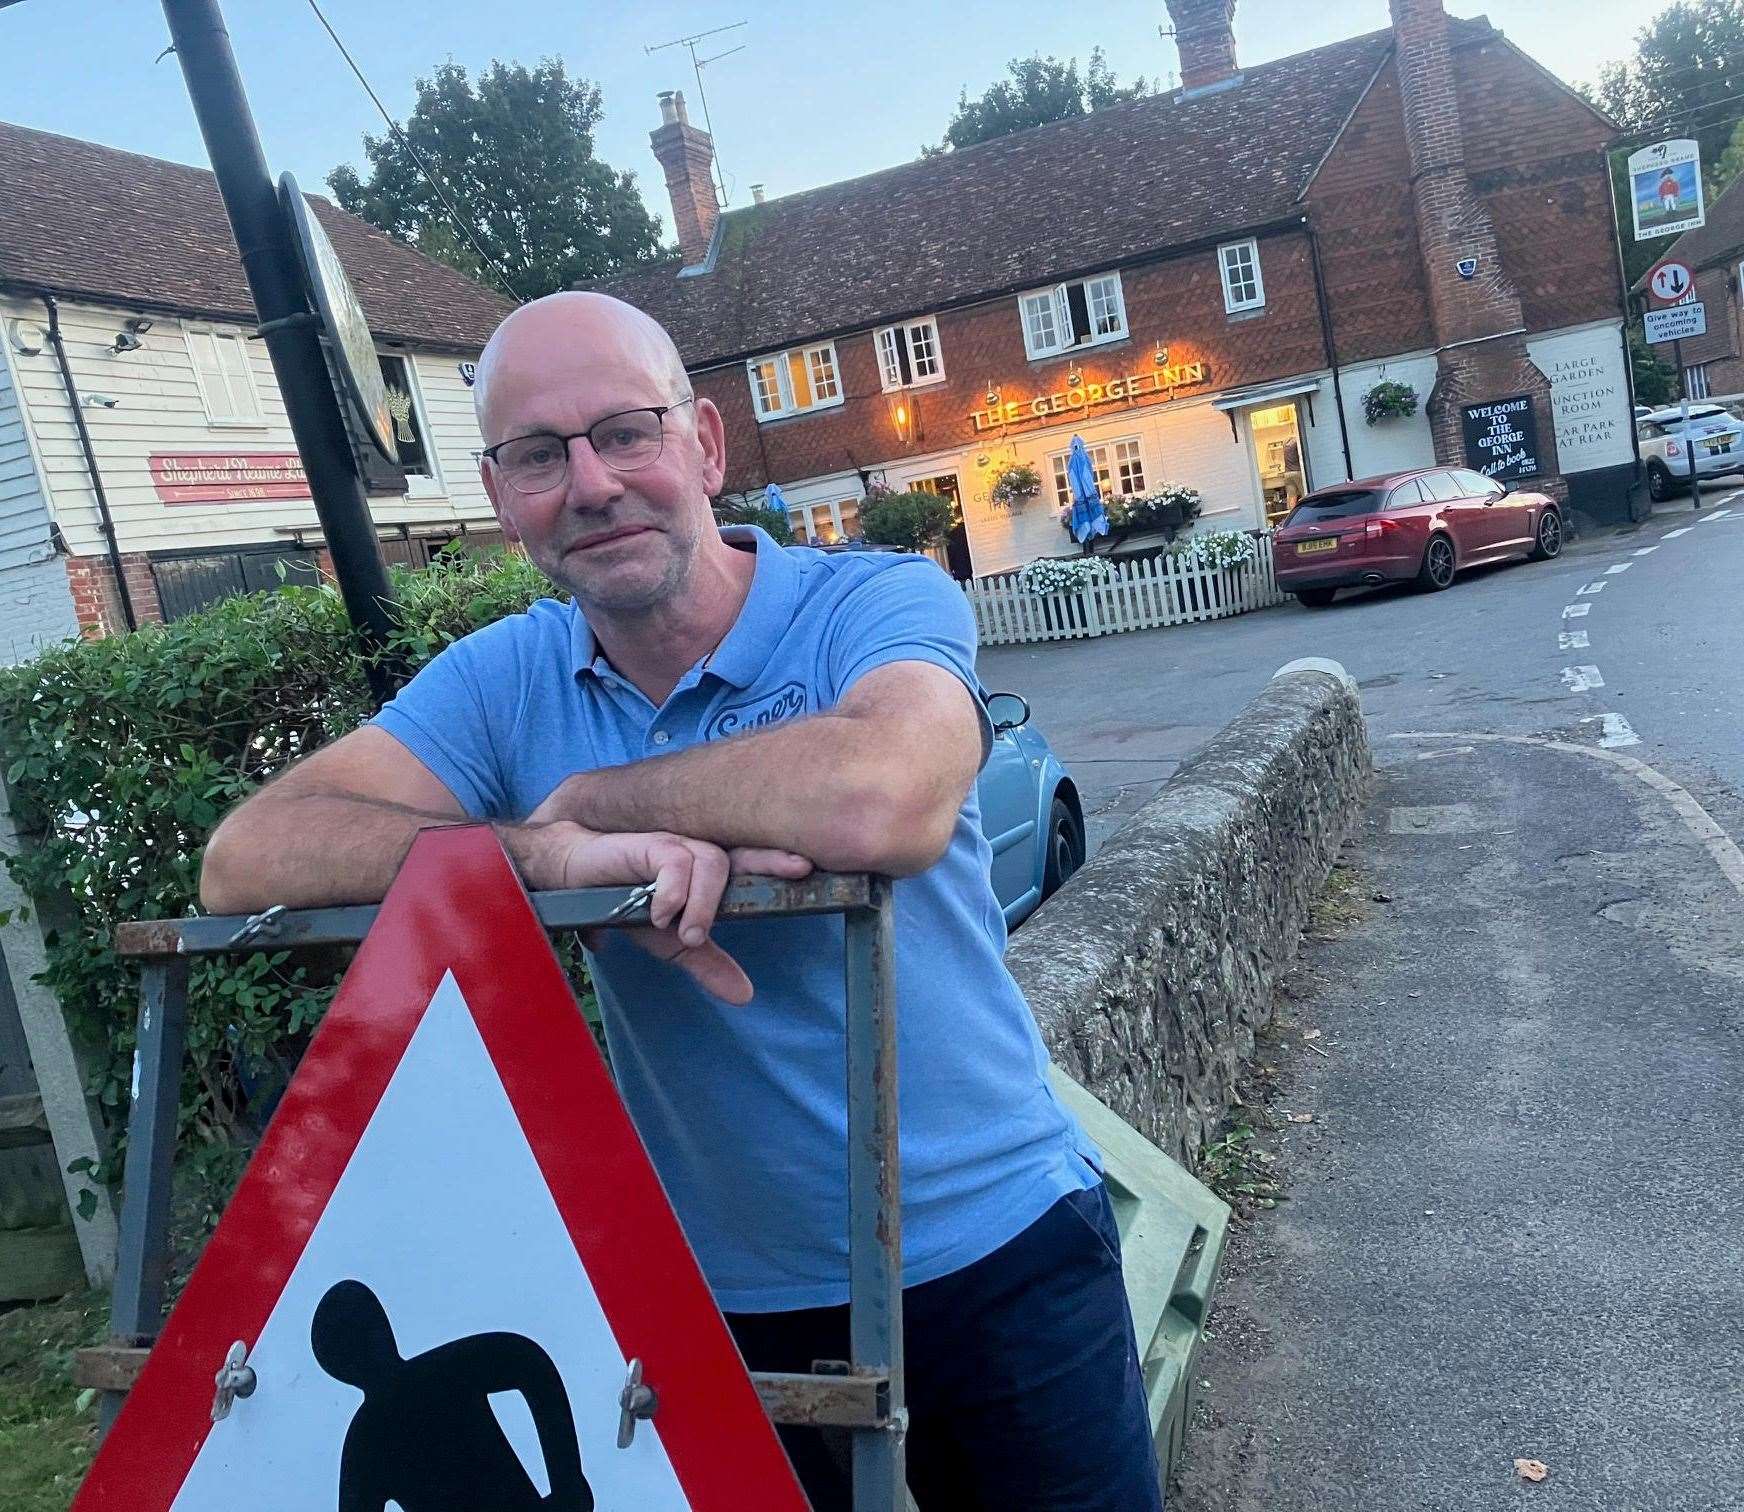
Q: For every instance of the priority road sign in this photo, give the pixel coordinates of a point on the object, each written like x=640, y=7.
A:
x=1678, y=323
x=449, y=1278
x=1671, y=281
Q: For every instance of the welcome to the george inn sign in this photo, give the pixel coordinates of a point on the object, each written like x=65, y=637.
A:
x=1089, y=395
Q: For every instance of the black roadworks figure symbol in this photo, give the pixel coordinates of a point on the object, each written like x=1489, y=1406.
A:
x=425, y=1435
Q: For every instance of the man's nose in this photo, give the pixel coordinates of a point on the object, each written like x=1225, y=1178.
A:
x=591, y=482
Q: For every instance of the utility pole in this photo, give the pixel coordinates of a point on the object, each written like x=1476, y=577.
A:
x=288, y=326
x=697, y=65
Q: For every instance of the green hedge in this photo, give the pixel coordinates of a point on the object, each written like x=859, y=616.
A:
x=124, y=753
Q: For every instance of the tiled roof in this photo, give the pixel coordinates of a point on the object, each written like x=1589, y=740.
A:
x=1019, y=211
x=1721, y=239
x=83, y=220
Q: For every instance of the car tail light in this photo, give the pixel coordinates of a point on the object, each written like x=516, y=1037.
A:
x=1373, y=530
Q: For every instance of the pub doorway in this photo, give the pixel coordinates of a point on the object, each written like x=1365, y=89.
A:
x=1278, y=453
x=954, y=556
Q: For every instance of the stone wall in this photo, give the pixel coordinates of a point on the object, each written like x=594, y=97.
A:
x=1151, y=969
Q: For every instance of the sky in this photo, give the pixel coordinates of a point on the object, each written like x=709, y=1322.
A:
x=822, y=91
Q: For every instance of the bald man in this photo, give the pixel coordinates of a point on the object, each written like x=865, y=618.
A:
x=707, y=701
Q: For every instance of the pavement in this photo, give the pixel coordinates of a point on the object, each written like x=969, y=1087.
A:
x=1513, y=1227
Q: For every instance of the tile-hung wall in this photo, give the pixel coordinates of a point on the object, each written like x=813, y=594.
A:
x=162, y=404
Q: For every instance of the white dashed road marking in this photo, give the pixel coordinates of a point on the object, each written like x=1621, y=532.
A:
x=1598, y=587
x=1614, y=730
x=1718, y=514
x=1617, y=567
x=1672, y=535
x=1575, y=611
x=1582, y=679
x=1646, y=551
x=1572, y=640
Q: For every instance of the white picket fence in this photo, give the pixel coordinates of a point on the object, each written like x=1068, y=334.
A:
x=1139, y=594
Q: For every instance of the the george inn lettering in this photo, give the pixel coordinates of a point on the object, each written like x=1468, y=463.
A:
x=1089, y=395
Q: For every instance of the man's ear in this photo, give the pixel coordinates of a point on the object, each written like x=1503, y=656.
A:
x=711, y=436
x=493, y=487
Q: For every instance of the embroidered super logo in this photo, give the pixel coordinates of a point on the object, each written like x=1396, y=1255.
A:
x=786, y=702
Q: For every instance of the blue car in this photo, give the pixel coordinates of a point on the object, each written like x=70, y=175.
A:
x=1031, y=813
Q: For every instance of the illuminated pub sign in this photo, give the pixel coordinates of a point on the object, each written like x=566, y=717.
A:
x=1085, y=396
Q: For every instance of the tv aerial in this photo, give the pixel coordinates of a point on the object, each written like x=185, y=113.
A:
x=697, y=65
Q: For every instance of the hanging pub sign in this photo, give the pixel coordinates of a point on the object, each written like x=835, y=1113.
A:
x=1086, y=396
x=1501, y=438
x=1665, y=189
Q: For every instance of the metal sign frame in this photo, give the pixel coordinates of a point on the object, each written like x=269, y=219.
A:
x=343, y=321
x=863, y=1394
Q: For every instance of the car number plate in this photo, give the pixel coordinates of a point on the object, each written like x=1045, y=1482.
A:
x=1306, y=548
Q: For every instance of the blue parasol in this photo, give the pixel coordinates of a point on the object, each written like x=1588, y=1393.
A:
x=1088, y=516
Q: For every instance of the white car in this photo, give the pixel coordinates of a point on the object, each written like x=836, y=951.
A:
x=1714, y=435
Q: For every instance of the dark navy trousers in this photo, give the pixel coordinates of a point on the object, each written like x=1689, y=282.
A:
x=1024, y=1391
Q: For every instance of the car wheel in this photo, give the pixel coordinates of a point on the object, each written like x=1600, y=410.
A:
x=1658, y=482
x=1316, y=598
x=1549, y=542
x=1065, y=847
x=1438, y=566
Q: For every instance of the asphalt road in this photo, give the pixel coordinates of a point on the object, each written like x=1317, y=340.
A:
x=1665, y=634
x=1515, y=1225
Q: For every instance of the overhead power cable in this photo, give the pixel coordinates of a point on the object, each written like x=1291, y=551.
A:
x=462, y=224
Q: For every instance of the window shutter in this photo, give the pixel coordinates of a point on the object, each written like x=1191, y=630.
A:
x=203, y=351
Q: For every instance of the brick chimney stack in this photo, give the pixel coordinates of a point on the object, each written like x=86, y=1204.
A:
x=1205, y=39
x=688, y=157
x=1478, y=319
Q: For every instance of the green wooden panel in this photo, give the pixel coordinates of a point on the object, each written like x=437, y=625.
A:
x=38, y=1264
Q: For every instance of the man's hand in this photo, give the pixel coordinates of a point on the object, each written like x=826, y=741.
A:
x=689, y=877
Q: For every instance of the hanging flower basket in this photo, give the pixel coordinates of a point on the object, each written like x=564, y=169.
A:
x=1389, y=400
x=1015, y=486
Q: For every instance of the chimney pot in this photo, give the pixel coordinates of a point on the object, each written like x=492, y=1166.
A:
x=1205, y=39
x=668, y=111
x=756, y=194
x=678, y=105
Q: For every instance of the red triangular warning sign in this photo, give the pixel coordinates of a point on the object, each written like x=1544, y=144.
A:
x=442, y=1259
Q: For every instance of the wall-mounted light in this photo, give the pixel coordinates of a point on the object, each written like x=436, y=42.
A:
x=1075, y=377
x=1162, y=357
x=902, y=417
x=992, y=397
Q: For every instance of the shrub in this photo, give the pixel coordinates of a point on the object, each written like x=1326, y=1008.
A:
x=124, y=753
x=914, y=521
x=774, y=523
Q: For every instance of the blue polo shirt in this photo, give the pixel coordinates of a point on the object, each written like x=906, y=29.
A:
x=743, y=1108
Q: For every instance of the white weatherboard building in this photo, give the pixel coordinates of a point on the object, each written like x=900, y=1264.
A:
x=182, y=484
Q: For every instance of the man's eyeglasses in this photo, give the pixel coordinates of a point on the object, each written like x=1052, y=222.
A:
x=624, y=442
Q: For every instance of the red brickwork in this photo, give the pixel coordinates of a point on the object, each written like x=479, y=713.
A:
x=1178, y=303
x=687, y=156
x=96, y=602
x=1205, y=39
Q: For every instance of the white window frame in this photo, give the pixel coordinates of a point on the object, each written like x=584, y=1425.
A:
x=801, y=522
x=1108, y=479
x=1051, y=308
x=418, y=485
x=884, y=344
x=1229, y=258
x=222, y=408
x=784, y=383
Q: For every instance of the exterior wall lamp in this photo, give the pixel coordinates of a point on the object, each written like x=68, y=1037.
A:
x=902, y=418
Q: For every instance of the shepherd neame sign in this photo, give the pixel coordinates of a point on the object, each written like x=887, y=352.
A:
x=1501, y=438
x=1086, y=396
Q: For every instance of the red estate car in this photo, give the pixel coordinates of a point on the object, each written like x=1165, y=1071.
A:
x=1422, y=526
